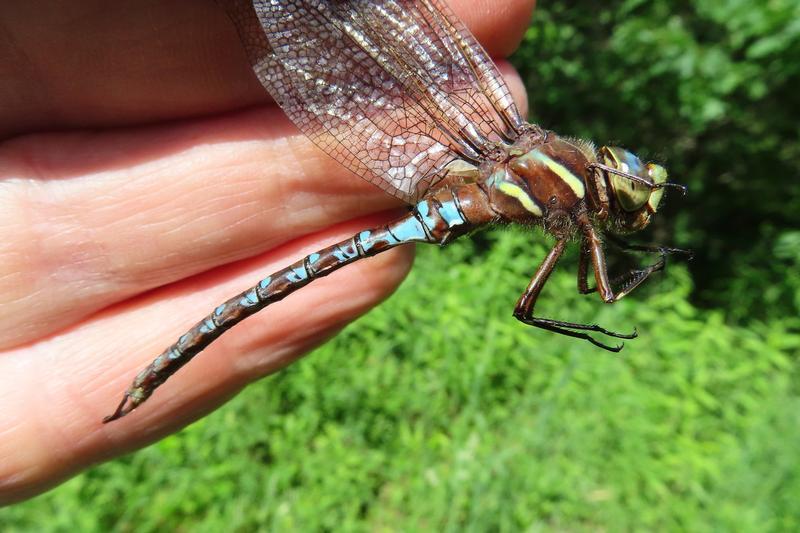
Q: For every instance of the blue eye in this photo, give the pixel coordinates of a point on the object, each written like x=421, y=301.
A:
x=630, y=195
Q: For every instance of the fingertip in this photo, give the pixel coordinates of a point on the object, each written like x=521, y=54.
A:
x=499, y=26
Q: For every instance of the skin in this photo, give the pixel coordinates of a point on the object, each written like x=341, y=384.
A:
x=146, y=176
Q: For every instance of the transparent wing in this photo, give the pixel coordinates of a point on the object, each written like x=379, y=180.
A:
x=490, y=81
x=393, y=89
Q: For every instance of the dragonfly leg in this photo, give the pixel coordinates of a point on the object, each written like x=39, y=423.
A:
x=624, y=245
x=583, y=270
x=632, y=279
x=525, y=306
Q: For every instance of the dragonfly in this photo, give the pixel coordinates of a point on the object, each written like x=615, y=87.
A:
x=403, y=95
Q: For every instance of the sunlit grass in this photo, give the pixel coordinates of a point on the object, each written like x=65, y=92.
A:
x=439, y=410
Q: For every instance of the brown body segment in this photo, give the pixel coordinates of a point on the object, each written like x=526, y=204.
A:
x=558, y=172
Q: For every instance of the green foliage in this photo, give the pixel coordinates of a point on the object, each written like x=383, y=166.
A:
x=438, y=411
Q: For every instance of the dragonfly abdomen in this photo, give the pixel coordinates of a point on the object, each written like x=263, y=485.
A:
x=438, y=219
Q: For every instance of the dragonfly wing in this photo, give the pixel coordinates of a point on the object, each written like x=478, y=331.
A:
x=472, y=56
x=395, y=90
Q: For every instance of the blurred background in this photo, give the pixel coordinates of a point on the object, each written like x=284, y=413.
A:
x=440, y=411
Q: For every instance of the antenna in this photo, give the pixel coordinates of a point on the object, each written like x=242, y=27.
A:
x=638, y=179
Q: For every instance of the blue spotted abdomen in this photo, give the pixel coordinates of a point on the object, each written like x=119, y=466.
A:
x=436, y=219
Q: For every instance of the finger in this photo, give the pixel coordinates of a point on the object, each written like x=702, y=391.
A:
x=499, y=26
x=56, y=392
x=87, y=220
x=141, y=62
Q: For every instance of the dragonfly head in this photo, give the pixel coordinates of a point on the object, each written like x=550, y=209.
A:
x=627, y=190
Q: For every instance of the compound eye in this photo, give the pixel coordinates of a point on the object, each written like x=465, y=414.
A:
x=629, y=194
x=658, y=175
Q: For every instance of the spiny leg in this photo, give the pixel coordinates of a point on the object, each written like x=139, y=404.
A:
x=593, y=246
x=633, y=278
x=584, y=259
x=583, y=270
x=525, y=306
x=566, y=328
x=624, y=245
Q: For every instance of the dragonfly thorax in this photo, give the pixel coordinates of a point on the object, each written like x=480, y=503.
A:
x=546, y=184
x=559, y=178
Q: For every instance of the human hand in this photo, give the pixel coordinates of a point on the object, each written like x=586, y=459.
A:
x=136, y=194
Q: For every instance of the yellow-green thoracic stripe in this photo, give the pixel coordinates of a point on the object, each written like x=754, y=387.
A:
x=515, y=191
x=573, y=181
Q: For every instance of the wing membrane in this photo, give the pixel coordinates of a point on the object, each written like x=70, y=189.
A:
x=393, y=89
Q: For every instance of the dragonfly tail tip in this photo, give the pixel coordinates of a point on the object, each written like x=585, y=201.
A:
x=123, y=409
